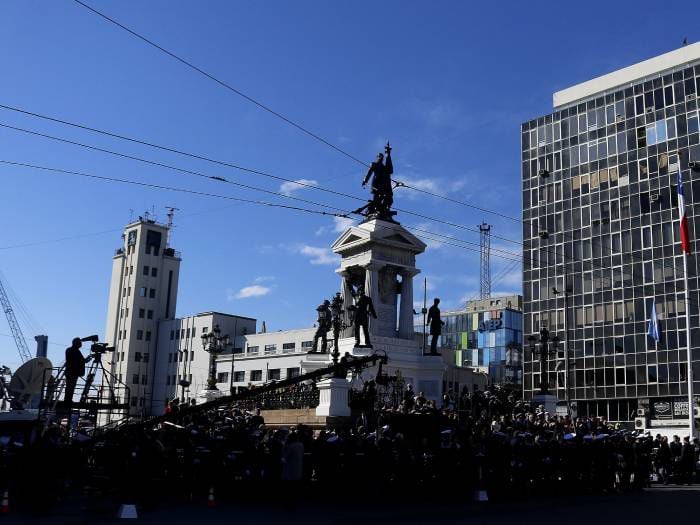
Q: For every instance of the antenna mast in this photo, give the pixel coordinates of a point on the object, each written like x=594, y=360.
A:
x=485, y=260
x=170, y=215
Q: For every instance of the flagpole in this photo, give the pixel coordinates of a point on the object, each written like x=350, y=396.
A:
x=685, y=248
x=689, y=371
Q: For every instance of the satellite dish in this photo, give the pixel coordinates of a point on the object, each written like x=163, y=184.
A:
x=28, y=379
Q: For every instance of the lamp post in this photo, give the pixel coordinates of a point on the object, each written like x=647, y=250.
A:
x=214, y=343
x=547, y=346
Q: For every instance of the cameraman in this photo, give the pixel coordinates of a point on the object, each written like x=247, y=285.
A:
x=74, y=368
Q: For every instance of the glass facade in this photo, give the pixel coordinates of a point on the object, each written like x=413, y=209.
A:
x=600, y=220
x=490, y=340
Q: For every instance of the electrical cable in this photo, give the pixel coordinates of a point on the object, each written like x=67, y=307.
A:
x=222, y=83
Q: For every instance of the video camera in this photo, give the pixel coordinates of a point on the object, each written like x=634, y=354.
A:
x=96, y=347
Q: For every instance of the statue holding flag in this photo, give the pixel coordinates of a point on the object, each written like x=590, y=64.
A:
x=382, y=188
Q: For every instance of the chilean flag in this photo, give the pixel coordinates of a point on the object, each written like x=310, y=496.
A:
x=685, y=238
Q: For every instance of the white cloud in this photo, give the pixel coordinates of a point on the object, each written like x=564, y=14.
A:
x=254, y=290
x=264, y=279
x=318, y=255
x=287, y=188
x=340, y=224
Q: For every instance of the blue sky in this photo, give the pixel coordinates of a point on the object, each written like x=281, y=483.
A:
x=447, y=82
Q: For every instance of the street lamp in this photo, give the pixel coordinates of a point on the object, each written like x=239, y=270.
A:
x=547, y=349
x=214, y=343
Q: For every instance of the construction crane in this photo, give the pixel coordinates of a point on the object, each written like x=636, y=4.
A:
x=14, y=325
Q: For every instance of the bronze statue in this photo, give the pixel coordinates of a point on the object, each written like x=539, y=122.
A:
x=324, y=324
x=436, y=325
x=363, y=309
x=382, y=188
x=337, y=323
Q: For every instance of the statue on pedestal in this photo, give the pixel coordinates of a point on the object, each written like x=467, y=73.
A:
x=324, y=325
x=363, y=309
x=436, y=324
x=382, y=188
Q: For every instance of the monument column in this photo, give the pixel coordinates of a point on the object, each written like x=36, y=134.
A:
x=372, y=291
x=406, y=306
x=346, y=291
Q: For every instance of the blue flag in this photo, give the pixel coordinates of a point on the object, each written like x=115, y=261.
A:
x=654, y=323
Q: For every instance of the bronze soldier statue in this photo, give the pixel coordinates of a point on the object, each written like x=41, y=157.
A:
x=436, y=325
x=324, y=324
x=336, y=323
x=363, y=309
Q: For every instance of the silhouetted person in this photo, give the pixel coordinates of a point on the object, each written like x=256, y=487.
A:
x=74, y=368
x=436, y=325
x=363, y=309
x=324, y=324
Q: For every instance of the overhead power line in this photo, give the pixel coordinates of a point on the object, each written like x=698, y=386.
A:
x=268, y=109
x=218, y=162
x=171, y=188
x=222, y=83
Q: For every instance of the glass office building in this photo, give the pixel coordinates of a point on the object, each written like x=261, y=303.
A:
x=601, y=223
x=487, y=336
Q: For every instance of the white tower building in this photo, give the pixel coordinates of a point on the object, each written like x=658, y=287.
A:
x=143, y=292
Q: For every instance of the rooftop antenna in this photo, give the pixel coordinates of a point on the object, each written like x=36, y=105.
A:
x=485, y=262
x=131, y=215
x=170, y=215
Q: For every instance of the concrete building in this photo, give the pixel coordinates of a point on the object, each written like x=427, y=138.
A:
x=142, y=294
x=601, y=224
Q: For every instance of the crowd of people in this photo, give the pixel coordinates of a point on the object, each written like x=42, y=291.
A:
x=483, y=441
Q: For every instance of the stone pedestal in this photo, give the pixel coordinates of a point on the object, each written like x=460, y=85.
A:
x=549, y=402
x=380, y=257
x=333, y=398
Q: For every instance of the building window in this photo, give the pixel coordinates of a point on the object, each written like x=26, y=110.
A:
x=239, y=377
x=135, y=379
x=288, y=347
x=139, y=335
x=154, y=272
x=292, y=372
x=188, y=333
x=142, y=291
x=270, y=349
x=222, y=377
x=172, y=334
x=149, y=314
x=144, y=379
x=145, y=270
x=273, y=374
x=170, y=357
x=126, y=312
x=152, y=293
x=142, y=313
x=148, y=335
x=256, y=375
x=252, y=350
x=307, y=344
x=194, y=331
x=191, y=355
x=205, y=329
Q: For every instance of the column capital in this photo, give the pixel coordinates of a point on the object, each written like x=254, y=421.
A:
x=373, y=265
x=408, y=272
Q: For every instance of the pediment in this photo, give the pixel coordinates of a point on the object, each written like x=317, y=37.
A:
x=378, y=233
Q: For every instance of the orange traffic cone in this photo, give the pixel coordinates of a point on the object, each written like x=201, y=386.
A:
x=211, y=501
x=5, y=503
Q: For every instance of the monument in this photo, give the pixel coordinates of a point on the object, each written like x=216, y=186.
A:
x=377, y=267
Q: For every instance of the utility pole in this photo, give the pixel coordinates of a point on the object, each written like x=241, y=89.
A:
x=485, y=263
